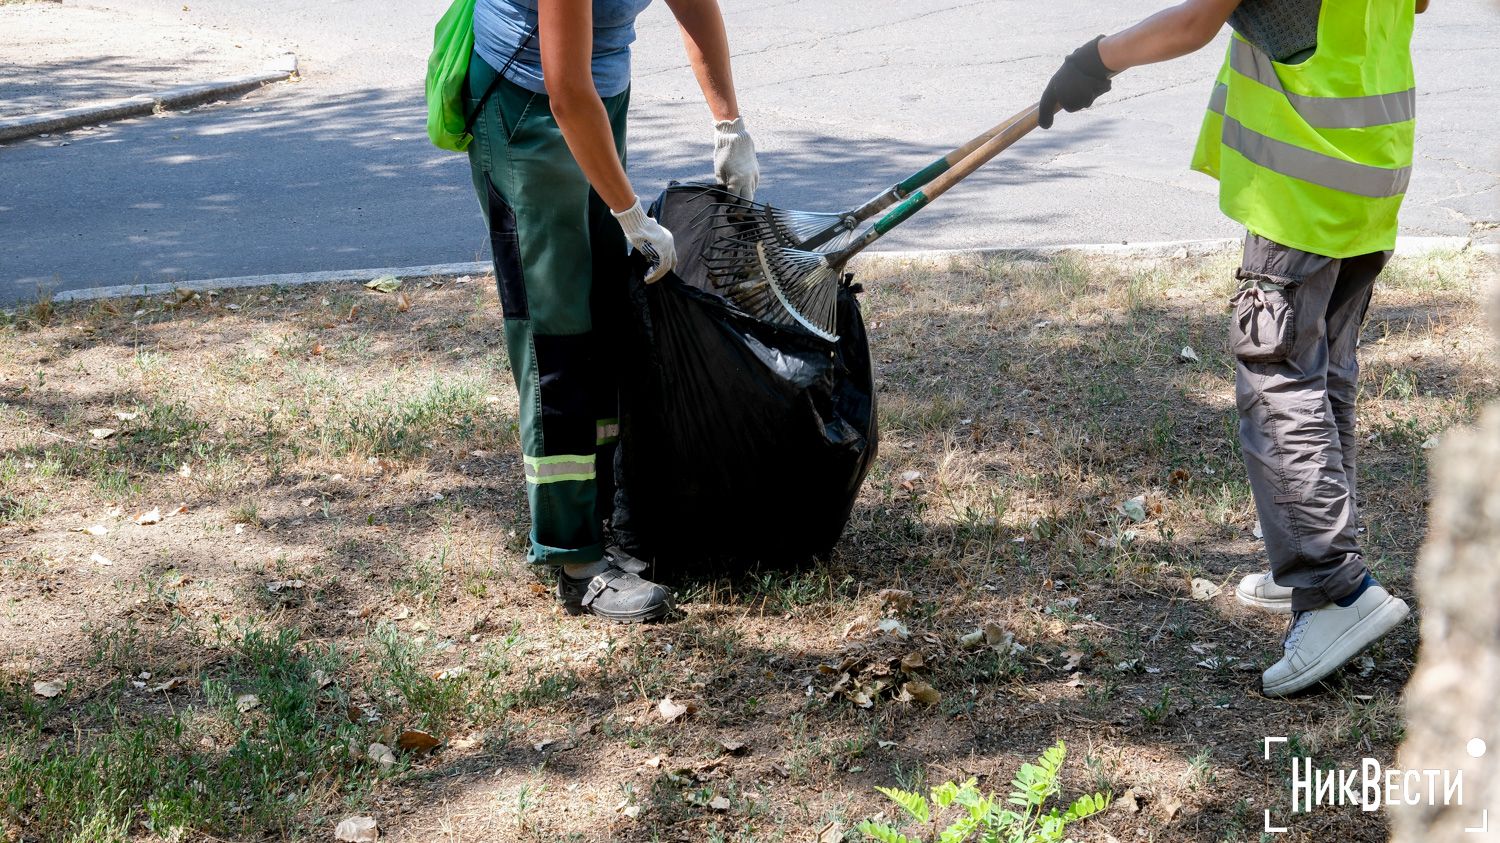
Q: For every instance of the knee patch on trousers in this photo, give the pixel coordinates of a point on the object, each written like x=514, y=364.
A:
x=565, y=374
x=505, y=242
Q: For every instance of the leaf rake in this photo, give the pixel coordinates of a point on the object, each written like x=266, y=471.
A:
x=783, y=267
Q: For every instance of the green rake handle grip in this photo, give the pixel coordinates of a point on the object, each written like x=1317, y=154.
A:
x=940, y=182
x=904, y=188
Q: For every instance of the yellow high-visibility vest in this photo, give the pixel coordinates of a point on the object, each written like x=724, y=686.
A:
x=1317, y=155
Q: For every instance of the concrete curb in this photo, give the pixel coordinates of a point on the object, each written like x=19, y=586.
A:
x=61, y=120
x=1169, y=249
x=289, y=279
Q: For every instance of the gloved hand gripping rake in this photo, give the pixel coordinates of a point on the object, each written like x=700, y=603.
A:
x=827, y=232
x=769, y=262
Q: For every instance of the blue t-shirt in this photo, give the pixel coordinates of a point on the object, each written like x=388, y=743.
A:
x=501, y=25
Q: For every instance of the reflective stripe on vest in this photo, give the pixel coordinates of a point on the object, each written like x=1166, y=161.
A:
x=1318, y=155
x=1323, y=112
x=1314, y=167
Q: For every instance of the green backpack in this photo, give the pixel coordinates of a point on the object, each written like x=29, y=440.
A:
x=447, y=69
x=448, y=123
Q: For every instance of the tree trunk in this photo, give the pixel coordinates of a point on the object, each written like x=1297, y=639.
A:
x=1454, y=695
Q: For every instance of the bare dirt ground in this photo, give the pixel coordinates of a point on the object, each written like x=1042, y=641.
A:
x=248, y=536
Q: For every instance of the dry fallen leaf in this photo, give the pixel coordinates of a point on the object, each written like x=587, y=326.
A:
x=733, y=747
x=894, y=600
x=186, y=471
x=102, y=432
x=382, y=755
x=357, y=830
x=101, y=559
x=246, y=702
x=1204, y=590
x=278, y=586
x=322, y=678
x=384, y=284
x=98, y=531
x=318, y=349
x=416, y=740
x=152, y=516
x=403, y=304
x=124, y=416
x=467, y=742
x=718, y=803
x=831, y=833
x=180, y=509
x=49, y=689
x=918, y=691
x=671, y=710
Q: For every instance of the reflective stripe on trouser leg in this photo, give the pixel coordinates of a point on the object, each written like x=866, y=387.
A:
x=538, y=204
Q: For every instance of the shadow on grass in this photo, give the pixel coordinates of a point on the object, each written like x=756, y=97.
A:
x=1032, y=399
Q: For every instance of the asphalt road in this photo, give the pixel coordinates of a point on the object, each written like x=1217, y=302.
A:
x=843, y=97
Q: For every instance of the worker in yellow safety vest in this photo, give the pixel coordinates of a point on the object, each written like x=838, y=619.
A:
x=1309, y=131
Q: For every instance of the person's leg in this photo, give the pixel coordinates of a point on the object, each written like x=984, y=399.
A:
x=537, y=204
x=1288, y=435
x=535, y=200
x=1346, y=316
x=608, y=305
x=1293, y=319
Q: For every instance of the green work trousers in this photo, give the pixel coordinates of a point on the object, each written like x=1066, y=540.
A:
x=560, y=265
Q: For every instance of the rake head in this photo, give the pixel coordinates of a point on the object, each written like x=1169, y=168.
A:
x=778, y=284
x=806, y=230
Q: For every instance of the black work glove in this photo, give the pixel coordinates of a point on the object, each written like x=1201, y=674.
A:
x=1081, y=80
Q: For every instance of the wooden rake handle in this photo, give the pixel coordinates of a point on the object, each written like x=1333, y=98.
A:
x=1018, y=127
x=1013, y=130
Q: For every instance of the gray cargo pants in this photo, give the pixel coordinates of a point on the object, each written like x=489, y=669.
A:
x=1295, y=331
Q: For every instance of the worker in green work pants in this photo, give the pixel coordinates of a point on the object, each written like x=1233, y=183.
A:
x=549, y=84
x=1309, y=131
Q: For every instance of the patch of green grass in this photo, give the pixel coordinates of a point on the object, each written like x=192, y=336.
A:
x=223, y=768
x=383, y=425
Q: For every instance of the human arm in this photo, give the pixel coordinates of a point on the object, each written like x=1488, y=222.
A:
x=1168, y=34
x=707, y=44
x=567, y=41
x=1171, y=33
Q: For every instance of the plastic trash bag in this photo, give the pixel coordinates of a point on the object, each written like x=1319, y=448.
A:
x=740, y=441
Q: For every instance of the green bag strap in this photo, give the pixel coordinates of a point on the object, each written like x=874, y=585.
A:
x=500, y=74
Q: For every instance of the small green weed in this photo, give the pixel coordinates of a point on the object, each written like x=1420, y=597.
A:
x=985, y=816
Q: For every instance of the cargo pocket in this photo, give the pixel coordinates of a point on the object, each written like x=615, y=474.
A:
x=509, y=279
x=1264, y=321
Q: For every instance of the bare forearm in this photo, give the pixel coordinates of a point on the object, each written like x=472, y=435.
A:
x=585, y=127
x=707, y=46
x=1168, y=34
x=566, y=28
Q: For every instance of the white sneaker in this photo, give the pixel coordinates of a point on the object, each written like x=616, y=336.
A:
x=1319, y=642
x=1259, y=591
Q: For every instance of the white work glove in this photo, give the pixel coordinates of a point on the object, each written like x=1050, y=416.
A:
x=734, y=158
x=648, y=237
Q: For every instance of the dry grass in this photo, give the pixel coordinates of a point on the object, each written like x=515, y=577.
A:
x=325, y=436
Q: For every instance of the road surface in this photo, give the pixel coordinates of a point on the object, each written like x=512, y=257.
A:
x=842, y=96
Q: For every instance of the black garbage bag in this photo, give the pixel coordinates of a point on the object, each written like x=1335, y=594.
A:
x=740, y=441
